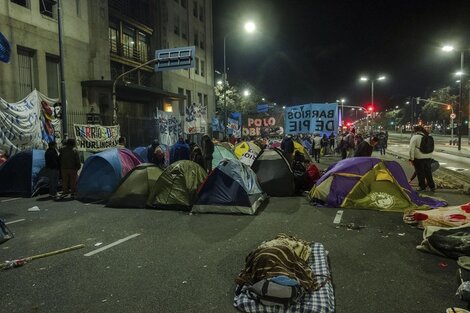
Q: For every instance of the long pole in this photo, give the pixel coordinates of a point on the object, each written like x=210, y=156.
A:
x=459, y=128
x=63, y=97
x=115, y=107
x=225, y=89
x=452, y=129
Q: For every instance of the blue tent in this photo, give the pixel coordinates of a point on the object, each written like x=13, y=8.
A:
x=231, y=187
x=142, y=152
x=102, y=173
x=18, y=175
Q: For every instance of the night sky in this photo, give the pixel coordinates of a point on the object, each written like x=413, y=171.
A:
x=315, y=51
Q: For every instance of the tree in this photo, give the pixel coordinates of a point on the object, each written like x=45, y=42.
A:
x=432, y=112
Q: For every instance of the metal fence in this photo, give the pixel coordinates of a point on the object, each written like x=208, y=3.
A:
x=138, y=130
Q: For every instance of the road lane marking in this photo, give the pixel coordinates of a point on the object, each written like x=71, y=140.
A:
x=338, y=217
x=12, y=199
x=111, y=245
x=15, y=221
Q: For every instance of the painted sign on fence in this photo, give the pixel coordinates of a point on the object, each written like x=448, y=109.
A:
x=94, y=138
x=311, y=118
x=195, y=119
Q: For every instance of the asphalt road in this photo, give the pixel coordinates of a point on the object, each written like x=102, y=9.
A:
x=187, y=263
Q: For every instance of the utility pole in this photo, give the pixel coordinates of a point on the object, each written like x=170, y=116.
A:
x=63, y=97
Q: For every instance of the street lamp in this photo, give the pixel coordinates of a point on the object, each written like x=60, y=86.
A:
x=364, y=79
x=342, y=101
x=450, y=48
x=246, y=92
x=250, y=27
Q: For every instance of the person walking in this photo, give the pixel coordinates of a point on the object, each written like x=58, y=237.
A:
x=331, y=140
x=421, y=160
x=351, y=142
x=53, y=168
x=382, y=143
x=69, y=164
x=365, y=149
x=324, y=145
x=207, y=151
x=316, y=147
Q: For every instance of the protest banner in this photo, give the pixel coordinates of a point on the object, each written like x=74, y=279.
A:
x=95, y=138
x=169, y=128
x=28, y=124
x=311, y=118
x=264, y=124
x=195, y=119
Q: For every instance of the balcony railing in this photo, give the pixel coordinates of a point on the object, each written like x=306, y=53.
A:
x=128, y=52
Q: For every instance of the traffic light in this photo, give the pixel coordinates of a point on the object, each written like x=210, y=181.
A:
x=370, y=108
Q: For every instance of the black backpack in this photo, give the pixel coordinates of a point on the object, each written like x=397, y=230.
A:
x=427, y=144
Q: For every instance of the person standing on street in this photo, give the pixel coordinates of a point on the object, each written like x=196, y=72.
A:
x=331, y=140
x=53, y=167
x=316, y=147
x=382, y=143
x=351, y=142
x=365, y=149
x=180, y=151
x=207, y=151
x=421, y=160
x=69, y=164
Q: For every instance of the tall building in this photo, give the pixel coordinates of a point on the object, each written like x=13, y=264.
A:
x=103, y=39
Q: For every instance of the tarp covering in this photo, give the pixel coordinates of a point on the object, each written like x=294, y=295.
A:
x=102, y=173
x=142, y=152
x=133, y=190
x=453, y=216
x=247, y=151
x=19, y=174
x=369, y=183
x=274, y=173
x=220, y=153
x=449, y=242
x=177, y=186
x=231, y=187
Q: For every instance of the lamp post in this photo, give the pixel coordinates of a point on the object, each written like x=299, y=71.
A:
x=364, y=79
x=115, y=107
x=449, y=48
x=342, y=101
x=250, y=27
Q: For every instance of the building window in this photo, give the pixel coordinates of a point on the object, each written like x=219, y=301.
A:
x=177, y=25
x=184, y=3
x=196, y=38
x=78, y=8
x=197, y=66
x=48, y=8
x=195, y=6
x=143, y=47
x=188, y=98
x=201, y=13
x=24, y=3
x=181, y=101
x=206, y=100
x=201, y=44
x=26, y=71
x=203, y=68
x=113, y=39
x=53, y=76
x=199, y=97
x=128, y=41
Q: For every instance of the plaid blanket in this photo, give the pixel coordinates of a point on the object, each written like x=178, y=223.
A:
x=321, y=301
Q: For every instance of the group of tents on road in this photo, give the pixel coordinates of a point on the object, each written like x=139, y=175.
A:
x=241, y=180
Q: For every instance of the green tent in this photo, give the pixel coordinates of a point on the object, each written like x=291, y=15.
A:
x=177, y=187
x=133, y=190
x=222, y=152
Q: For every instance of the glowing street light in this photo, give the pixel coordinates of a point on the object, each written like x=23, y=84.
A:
x=220, y=82
x=450, y=48
x=246, y=93
x=250, y=27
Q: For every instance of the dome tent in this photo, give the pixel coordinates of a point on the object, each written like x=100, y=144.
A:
x=231, y=187
x=274, y=173
x=177, y=186
x=102, y=173
x=221, y=152
x=133, y=190
x=368, y=183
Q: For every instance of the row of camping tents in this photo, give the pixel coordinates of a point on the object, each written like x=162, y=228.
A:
x=116, y=176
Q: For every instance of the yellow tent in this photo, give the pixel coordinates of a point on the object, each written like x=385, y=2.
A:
x=299, y=147
x=247, y=151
